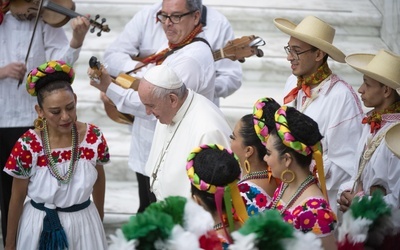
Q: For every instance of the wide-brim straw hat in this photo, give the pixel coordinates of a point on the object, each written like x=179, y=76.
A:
x=383, y=67
x=392, y=139
x=313, y=31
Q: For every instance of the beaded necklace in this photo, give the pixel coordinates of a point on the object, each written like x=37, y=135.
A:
x=263, y=174
x=310, y=180
x=219, y=226
x=66, y=178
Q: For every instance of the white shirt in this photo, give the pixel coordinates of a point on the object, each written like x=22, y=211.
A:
x=147, y=37
x=18, y=107
x=143, y=36
x=338, y=112
x=197, y=122
x=383, y=168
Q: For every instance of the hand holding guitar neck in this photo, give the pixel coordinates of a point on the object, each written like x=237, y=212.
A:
x=240, y=48
x=101, y=80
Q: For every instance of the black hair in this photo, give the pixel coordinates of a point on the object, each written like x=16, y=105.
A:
x=250, y=137
x=303, y=129
x=215, y=167
x=50, y=82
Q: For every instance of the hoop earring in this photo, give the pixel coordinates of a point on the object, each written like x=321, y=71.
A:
x=247, y=166
x=39, y=123
x=288, y=171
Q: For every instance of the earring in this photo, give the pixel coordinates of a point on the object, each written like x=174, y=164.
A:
x=39, y=123
x=287, y=180
x=247, y=166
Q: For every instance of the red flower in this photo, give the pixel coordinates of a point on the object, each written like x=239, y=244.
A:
x=42, y=161
x=244, y=187
x=17, y=148
x=261, y=200
x=91, y=138
x=35, y=146
x=306, y=221
x=56, y=156
x=314, y=203
x=66, y=155
x=210, y=241
x=26, y=159
x=11, y=163
x=87, y=153
x=326, y=220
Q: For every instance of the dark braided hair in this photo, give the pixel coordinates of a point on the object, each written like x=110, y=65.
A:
x=215, y=167
x=54, y=81
x=303, y=129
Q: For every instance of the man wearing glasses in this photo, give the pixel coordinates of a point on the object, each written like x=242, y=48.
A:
x=317, y=92
x=153, y=29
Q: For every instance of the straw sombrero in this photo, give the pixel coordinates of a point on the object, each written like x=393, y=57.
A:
x=313, y=31
x=383, y=67
x=392, y=139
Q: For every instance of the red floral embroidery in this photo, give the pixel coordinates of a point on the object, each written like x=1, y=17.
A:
x=35, y=146
x=42, y=161
x=11, y=163
x=66, y=155
x=261, y=200
x=56, y=156
x=17, y=148
x=91, y=138
x=26, y=159
x=87, y=153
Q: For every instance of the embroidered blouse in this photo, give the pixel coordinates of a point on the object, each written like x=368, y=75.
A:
x=313, y=214
x=254, y=197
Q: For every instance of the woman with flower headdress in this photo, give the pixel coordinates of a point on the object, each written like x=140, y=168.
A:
x=300, y=199
x=256, y=185
x=58, y=165
x=214, y=172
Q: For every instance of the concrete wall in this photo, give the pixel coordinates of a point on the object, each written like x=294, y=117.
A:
x=390, y=30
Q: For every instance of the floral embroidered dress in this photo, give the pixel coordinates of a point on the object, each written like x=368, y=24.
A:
x=311, y=215
x=84, y=228
x=254, y=197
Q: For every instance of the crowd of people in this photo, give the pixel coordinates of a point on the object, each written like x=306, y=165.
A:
x=303, y=165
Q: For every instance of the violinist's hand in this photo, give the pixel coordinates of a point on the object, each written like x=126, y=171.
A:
x=80, y=26
x=99, y=82
x=14, y=70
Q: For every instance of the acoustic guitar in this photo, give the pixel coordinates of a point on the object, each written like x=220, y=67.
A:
x=237, y=49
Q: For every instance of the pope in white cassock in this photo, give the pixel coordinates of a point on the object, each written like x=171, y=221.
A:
x=185, y=121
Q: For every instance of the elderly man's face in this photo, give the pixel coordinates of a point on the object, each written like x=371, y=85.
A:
x=176, y=33
x=162, y=108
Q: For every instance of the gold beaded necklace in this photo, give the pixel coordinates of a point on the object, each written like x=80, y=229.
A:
x=66, y=178
x=263, y=174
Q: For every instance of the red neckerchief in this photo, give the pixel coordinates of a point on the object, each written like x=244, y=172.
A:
x=160, y=56
x=304, y=83
x=375, y=118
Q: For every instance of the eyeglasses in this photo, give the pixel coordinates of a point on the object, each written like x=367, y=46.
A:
x=172, y=18
x=294, y=53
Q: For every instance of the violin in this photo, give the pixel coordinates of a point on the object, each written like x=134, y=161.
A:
x=56, y=13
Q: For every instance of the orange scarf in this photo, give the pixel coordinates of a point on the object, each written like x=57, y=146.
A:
x=304, y=83
x=375, y=118
x=160, y=56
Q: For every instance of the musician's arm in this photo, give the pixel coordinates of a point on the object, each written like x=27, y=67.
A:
x=119, y=55
x=80, y=26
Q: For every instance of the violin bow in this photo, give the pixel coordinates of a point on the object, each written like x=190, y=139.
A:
x=33, y=35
